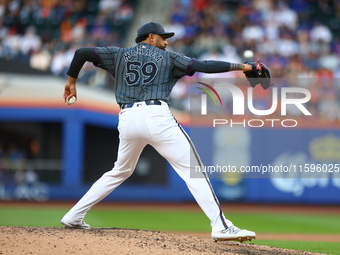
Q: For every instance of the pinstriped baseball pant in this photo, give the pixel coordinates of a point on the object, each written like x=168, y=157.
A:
x=152, y=124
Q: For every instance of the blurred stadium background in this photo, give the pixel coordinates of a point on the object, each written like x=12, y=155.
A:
x=51, y=151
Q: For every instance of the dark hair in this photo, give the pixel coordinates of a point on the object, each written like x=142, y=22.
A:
x=141, y=38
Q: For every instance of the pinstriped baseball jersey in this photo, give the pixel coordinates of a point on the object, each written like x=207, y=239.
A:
x=144, y=71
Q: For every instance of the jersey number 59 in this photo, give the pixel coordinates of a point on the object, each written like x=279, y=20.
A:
x=135, y=70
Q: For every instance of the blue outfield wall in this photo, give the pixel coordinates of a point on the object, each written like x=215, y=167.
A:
x=308, y=151
x=73, y=138
x=224, y=146
x=304, y=152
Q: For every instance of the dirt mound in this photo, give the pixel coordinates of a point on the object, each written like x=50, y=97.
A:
x=53, y=241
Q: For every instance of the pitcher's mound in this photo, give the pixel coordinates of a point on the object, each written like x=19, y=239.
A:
x=56, y=241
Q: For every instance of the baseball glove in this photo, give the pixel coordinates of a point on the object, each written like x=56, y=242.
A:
x=259, y=75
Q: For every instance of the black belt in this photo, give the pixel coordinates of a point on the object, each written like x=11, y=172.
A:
x=147, y=102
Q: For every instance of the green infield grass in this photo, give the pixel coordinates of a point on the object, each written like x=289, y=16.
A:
x=188, y=221
x=319, y=247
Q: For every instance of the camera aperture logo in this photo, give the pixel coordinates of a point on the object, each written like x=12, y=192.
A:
x=289, y=96
x=204, y=96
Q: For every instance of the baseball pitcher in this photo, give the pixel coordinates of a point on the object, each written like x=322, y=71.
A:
x=144, y=77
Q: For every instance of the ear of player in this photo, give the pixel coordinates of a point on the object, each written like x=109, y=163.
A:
x=258, y=75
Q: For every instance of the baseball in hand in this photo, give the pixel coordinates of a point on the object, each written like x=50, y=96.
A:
x=72, y=100
x=248, y=54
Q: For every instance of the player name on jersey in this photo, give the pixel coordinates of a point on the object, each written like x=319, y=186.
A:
x=140, y=51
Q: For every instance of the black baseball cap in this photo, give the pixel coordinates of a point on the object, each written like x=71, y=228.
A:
x=153, y=28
